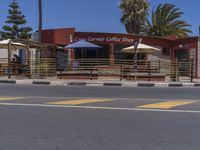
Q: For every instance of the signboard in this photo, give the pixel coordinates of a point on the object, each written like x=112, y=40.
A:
x=61, y=60
x=106, y=39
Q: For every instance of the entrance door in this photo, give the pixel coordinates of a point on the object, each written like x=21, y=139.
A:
x=181, y=55
x=183, y=62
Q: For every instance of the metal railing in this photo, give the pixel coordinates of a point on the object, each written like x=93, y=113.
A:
x=30, y=68
x=117, y=69
x=126, y=69
x=182, y=70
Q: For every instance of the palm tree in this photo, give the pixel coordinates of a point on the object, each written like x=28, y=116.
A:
x=166, y=20
x=134, y=14
x=40, y=20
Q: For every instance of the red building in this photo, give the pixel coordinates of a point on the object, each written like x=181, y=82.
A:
x=172, y=47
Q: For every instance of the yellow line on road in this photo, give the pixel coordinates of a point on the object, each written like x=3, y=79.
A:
x=167, y=105
x=9, y=98
x=79, y=101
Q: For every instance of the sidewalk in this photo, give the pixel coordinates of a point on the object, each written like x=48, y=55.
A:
x=123, y=83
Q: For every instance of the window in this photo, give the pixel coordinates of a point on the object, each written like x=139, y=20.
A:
x=166, y=51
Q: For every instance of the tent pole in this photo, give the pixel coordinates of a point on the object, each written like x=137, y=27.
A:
x=82, y=56
x=28, y=49
x=9, y=61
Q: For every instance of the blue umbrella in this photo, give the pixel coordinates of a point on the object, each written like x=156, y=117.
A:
x=83, y=45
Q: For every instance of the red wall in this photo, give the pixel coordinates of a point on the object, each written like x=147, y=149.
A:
x=62, y=37
x=126, y=39
x=191, y=42
x=58, y=36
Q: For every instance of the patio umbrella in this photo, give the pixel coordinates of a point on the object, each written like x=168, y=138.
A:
x=141, y=48
x=83, y=45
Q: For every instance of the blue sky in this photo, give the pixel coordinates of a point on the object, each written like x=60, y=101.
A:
x=90, y=15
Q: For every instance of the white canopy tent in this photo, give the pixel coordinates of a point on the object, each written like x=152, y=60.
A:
x=9, y=45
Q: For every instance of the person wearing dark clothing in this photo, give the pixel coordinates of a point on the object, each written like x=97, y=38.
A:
x=17, y=59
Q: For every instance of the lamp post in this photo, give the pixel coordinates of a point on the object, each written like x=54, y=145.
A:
x=135, y=58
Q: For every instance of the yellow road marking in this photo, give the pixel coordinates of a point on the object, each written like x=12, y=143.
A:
x=79, y=101
x=9, y=98
x=167, y=105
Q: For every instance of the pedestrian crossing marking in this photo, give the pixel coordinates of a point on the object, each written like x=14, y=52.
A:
x=79, y=101
x=9, y=98
x=167, y=105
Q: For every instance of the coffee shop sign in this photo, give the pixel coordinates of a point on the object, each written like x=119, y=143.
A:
x=106, y=39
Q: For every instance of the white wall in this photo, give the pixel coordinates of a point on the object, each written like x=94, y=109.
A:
x=3, y=56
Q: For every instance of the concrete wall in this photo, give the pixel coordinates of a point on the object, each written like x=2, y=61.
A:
x=198, y=59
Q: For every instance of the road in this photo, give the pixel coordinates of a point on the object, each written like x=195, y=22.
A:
x=100, y=118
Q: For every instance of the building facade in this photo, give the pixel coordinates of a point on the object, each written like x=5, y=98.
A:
x=172, y=48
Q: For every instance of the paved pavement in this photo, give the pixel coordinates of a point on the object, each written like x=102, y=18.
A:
x=124, y=83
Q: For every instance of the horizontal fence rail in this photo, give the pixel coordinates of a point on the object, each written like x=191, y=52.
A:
x=30, y=68
x=127, y=69
x=107, y=69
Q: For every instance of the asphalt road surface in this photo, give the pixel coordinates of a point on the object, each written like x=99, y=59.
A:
x=99, y=118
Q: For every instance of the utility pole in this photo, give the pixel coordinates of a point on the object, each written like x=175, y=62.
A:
x=39, y=32
x=40, y=20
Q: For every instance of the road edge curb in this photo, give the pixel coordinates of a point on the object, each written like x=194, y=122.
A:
x=101, y=83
